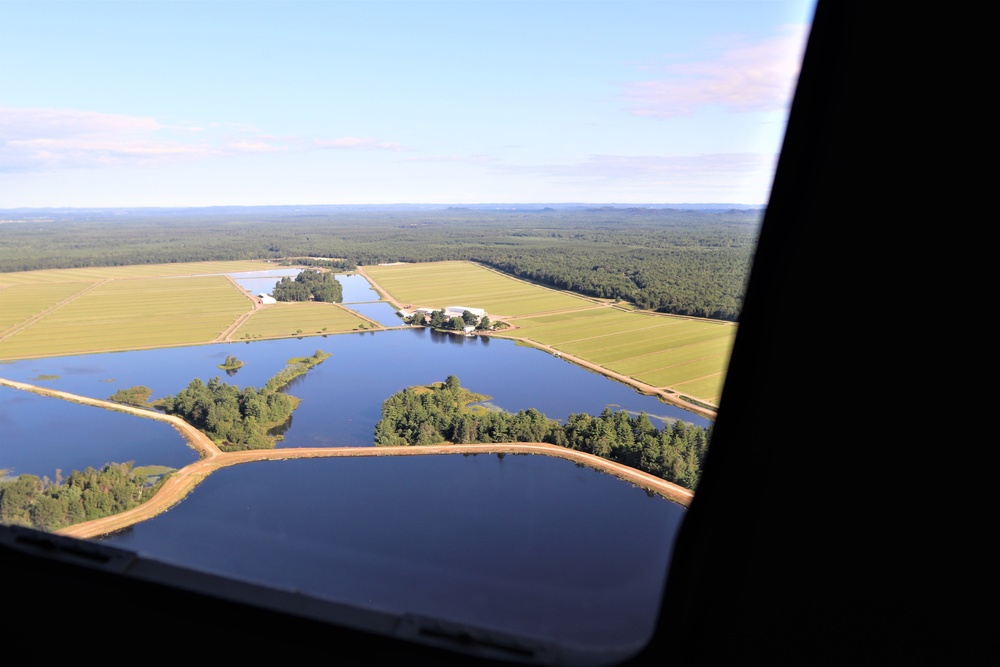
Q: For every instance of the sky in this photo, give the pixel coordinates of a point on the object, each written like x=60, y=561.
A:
x=134, y=103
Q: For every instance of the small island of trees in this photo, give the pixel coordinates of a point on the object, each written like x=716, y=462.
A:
x=441, y=413
x=137, y=396
x=231, y=364
x=309, y=285
x=234, y=419
x=238, y=419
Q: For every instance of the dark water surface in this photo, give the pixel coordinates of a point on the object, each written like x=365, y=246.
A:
x=262, y=282
x=380, y=311
x=531, y=545
x=40, y=435
x=342, y=397
x=357, y=289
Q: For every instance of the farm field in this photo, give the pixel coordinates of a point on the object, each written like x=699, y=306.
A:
x=95, y=273
x=76, y=311
x=683, y=355
x=282, y=320
x=672, y=353
x=440, y=284
x=22, y=301
x=129, y=314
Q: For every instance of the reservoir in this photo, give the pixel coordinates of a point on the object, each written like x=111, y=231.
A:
x=341, y=399
x=530, y=545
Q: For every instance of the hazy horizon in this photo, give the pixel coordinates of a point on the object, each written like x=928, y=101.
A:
x=410, y=205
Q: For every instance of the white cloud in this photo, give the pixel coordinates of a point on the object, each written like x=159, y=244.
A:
x=646, y=167
x=253, y=146
x=733, y=177
x=357, y=143
x=37, y=123
x=46, y=139
x=744, y=77
x=43, y=139
x=475, y=159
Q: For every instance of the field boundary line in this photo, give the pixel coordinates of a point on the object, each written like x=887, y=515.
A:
x=667, y=396
x=51, y=309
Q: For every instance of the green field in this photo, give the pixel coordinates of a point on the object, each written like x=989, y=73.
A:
x=441, y=284
x=96, y=273
x=684, y=354
x=21, y=302
x=130, y=314
x=283, y=320
x=79, y=311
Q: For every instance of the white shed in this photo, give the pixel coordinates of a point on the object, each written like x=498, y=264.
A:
x=457, y=311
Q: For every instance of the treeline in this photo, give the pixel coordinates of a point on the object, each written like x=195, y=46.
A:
x=332, y=264
x=238, y=419
x=44, y=504
x=233, y=418
x=309, y=285
x=440, y=413
x=440, y=320
x=669, y=260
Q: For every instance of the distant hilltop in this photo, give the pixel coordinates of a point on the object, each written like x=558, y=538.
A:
x=24, y=214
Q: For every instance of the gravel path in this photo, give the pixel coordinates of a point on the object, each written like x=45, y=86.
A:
x=181, y=482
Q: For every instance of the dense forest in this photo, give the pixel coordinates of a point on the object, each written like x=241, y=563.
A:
x=689, y=262
x=28, y=500
x=441, y=413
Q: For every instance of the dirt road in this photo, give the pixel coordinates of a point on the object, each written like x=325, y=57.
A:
x=181, y=482
x=666, y=396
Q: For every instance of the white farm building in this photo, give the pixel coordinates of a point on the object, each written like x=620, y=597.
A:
x=457, y=311
x=424, y=314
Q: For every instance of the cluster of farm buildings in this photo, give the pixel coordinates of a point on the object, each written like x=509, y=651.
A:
x=449, y=312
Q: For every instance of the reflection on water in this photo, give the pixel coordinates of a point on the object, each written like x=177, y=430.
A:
x=530, y=545
x=381, y=312
x=262, y=282
x=342, y=397
x=42, y=435
x=357, y=289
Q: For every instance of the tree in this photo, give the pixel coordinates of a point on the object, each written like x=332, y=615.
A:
x=309, y=285
x=231, y=363
x=137, y=395
x=238, y=419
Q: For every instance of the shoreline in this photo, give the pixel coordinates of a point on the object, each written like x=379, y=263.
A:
x=184, y=480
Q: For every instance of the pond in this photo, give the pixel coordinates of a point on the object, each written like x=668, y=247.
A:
x=532, y=545
x=262, y=282
x=341, y=399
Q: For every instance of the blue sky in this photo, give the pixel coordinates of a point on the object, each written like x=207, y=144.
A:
x=132, y=103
